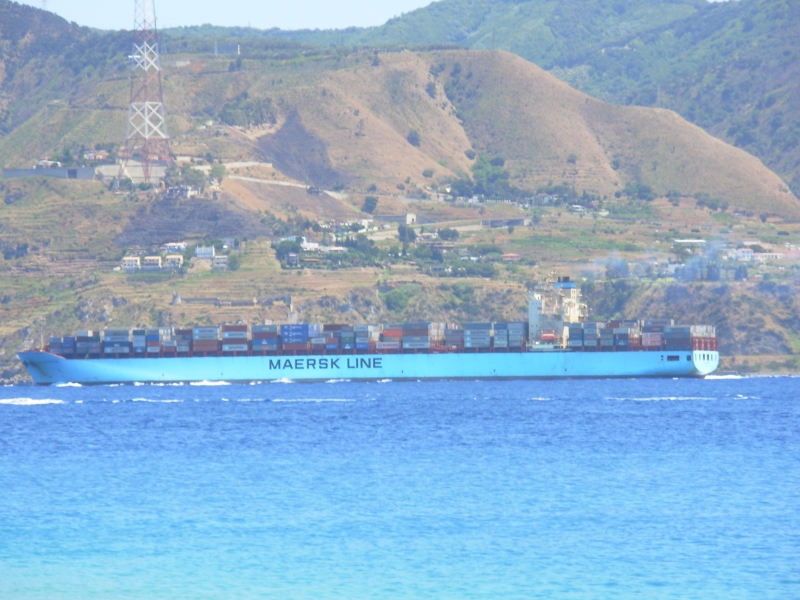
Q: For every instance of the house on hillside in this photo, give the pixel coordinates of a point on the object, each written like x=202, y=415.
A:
x=220, y=263
x=152, y=262
x=131, y=263
x=173, y=261
x=207, y=252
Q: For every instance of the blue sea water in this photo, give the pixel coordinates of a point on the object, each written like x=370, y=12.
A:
x=548, y=489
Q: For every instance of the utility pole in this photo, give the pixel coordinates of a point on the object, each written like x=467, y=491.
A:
x=146, y=135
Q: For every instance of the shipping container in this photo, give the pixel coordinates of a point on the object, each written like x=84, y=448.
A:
x=294, y=347
x=474, y=326
x=234, y=335
x=387, y=345
x=265, y=329
x=235, y=347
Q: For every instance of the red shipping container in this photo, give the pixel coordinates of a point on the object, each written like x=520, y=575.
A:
x=393, y=332
x=265, y=335
x=303, y=346
x=234, y=328
x=206, y=345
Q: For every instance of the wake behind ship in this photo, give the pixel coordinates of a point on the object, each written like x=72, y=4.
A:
x=557, y=341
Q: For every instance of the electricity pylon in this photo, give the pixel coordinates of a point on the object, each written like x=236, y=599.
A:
x=147, y=137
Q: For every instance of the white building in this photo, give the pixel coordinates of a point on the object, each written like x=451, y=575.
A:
x=219, y=263
x=744, y=254
x=152, y=262
x=131, y=262
x=205, y=252
x=175, y=247
x=174, y=261
x=762, y=256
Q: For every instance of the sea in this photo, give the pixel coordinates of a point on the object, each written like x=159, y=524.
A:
x=467, y=489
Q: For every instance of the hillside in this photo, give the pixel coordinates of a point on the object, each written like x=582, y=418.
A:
x=730, y=67
x=345, y=122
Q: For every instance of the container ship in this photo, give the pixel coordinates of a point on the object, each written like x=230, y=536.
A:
x=558, y=340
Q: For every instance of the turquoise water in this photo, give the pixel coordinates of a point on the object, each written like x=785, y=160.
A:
x=567, y=489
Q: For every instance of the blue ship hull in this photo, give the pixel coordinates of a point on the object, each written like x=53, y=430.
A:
x=48, y=368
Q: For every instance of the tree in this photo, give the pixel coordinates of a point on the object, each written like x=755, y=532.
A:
x=414, y=138
x=406, y=234
x=427, y=173
x=448, y=234
x=219, y=172
x=193, y=177
x=370, y=204
x=233, y=262
x=430, y=89
x=617, y=269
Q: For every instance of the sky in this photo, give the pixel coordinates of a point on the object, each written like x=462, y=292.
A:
x=297, y=14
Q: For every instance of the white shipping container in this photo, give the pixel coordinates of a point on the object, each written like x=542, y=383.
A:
x=234, y=347
x=387, y=345
x=234, y=335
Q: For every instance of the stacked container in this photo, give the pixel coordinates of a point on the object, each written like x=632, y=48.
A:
x=365, y=334
x=607, y=338
x=347, y=337
x=517, y=332
x=575, y=335
x=477, y=335
x=454, y=337
x=392, y=337
x=591, y=331
x=678, y=338
x=117, y=341
x=436, y=332
x=63, y=346
x=205, y=339
x=183, y=341
x=501, y=336
x=138, y=341
x=88, y=343
x=235, y=338
x=416, y=336
x=265, y=338
x=652, y=335
x=297, y=337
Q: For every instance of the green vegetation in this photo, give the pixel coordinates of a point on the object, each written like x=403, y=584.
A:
x=370, y=204
x=247, y=112
x=398, y=299
x=489, y=180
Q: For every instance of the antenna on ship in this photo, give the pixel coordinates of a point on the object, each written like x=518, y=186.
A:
x=147, y=134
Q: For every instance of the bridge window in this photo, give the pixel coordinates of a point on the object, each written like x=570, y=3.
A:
x=673, y=358
x=689, y=357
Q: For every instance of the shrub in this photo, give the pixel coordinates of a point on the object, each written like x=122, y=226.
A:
x=470, y=154
x=428, y=173
x=414, y=138
x=370, y=204
x=430, y=89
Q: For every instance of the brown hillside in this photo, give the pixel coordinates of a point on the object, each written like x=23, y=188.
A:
x=513, y=107
x=347, y=124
